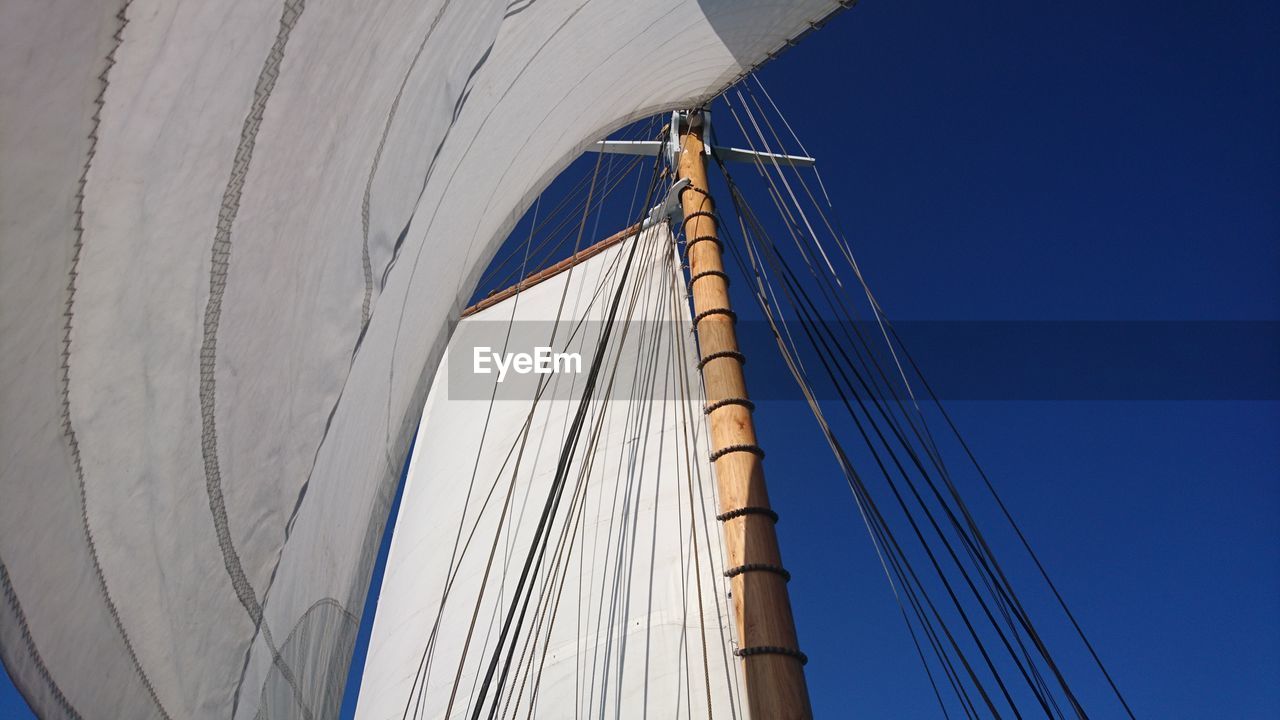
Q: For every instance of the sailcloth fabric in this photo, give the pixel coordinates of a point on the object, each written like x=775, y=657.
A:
x=628, y=611
x=232, y=238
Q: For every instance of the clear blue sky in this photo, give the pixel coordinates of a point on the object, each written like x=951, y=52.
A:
x=1056, y=161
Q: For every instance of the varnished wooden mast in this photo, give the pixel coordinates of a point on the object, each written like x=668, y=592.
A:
x=773, y=665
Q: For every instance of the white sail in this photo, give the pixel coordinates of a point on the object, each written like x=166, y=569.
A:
x=232, y=237
x=628, y=613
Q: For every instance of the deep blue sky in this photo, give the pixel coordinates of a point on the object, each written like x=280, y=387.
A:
x=1056, y=161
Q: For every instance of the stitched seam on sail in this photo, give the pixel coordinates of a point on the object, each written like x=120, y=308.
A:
x=364, y=326
x=458, y=106
x=298, y=625
x=68, y=430
x=220, y=264
x=12, y=597
x=365, y=315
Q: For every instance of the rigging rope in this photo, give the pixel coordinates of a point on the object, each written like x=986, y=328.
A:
x=898, y=440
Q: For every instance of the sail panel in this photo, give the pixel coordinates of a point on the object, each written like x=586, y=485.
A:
x=629, y=614
x=233, y=237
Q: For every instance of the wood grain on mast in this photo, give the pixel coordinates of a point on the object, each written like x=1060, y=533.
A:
x=773, y=666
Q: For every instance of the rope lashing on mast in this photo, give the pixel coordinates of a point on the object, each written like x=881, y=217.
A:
x=703, y=238
x=748, y=510
x=742, y=359
x=772, y=650
x=758, y=567
x=709, y=273
x=712, y=407
x=736, y=448
x=700, y=213
x=714, y=311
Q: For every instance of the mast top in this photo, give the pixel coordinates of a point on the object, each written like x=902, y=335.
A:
x=681, y=122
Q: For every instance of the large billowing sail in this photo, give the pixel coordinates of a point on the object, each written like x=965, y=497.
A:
x=234, y=235
x=625, y=611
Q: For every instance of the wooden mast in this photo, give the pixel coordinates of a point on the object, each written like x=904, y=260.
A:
x=773, y=665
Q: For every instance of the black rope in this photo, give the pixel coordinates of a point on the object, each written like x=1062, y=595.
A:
x=742, y=359
x=747, y=652
x=708, y=273
x=740, y=447
x=701, y=213
x=715, y=311
x=758, y=567
x=748, y=510
x=702, y=238
x=712, y=407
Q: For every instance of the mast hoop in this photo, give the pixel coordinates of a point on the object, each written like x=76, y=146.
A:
x=701, y=213
x=747, y=652
x=708, y=273
x=742, y=359
x=740, y=447
x=714, y=311
x=759, y=567
x=748, y=510
x=702, y=238
x=712, y=407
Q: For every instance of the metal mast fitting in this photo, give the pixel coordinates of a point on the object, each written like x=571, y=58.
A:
x=670, y=148
x=773, y=666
